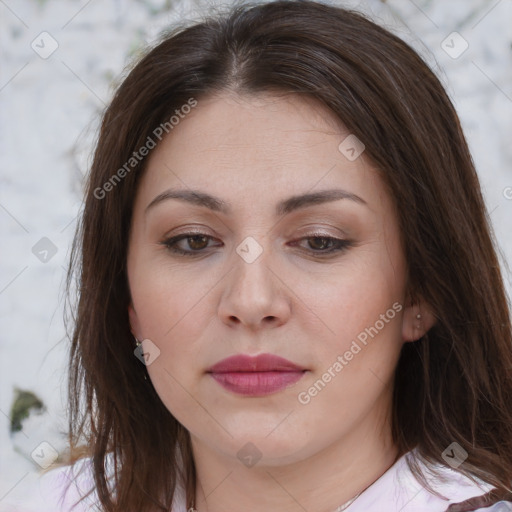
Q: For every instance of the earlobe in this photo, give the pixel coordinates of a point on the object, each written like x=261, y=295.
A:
x=417, y=320
x=134, y=322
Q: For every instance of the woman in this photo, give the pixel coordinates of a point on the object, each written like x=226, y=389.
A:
x=289, y=295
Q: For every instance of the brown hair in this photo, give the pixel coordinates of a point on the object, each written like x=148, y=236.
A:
x=453, y=385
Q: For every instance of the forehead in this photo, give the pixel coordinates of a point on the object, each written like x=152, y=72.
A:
x=256, y=149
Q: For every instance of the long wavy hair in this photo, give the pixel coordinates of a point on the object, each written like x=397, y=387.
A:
x=452, y=385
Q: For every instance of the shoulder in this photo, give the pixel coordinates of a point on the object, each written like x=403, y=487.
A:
x=72, y=489
x=501, y=506
x=68, y=486
x=493, y=501
x=398, y=490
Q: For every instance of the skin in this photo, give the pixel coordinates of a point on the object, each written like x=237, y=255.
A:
x=253, y=152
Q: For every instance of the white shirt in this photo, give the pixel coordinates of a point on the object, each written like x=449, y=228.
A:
x=396, y=490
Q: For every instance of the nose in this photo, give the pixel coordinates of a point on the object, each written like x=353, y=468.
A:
x=254, y=294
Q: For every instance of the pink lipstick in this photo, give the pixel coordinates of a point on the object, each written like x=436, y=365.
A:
x=256, y=375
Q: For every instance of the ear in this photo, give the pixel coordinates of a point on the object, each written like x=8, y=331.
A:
x=134, y=322
x=417, y=320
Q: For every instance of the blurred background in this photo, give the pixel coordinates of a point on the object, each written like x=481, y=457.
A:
x=60, y=63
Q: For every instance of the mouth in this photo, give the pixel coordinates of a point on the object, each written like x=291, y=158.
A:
x=256, y=375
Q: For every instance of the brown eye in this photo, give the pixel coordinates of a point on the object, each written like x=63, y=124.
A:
x=196, y=243
x=320, y=243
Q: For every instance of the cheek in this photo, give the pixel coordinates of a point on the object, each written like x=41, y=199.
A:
x=351, y=297
x=171, y=309
x=175, y=321
x=170, y=300
x=357, y=353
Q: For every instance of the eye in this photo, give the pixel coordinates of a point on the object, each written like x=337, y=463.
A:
x=197, y=242
x=320, y=244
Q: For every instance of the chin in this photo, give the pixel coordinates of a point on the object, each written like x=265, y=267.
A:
x=253, y=446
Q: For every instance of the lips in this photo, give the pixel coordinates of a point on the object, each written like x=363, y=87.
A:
x=256, y=375
x=260, y=363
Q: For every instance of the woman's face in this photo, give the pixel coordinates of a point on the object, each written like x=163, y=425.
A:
x=293, y=250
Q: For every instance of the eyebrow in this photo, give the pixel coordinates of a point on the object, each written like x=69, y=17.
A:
x=284, y=207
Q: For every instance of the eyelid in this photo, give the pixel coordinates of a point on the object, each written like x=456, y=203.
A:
x=186, y=230
x=319, y=230
x=318, y=233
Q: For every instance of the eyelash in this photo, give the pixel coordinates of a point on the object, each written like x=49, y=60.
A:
x=340, y=245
